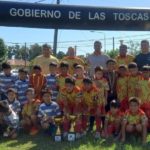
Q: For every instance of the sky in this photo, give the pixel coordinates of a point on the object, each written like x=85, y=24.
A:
x=83, y=39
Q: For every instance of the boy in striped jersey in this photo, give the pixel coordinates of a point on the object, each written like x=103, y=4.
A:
x=22, y=85
x=51, y=82
x=7, y=80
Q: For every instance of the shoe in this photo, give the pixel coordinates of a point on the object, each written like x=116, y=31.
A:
x=34, y=131
x=97, y=135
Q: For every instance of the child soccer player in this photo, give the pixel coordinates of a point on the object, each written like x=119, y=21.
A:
x=80, y=75
x=47, y=111
x=29, y=112
x=143, y=91
x=51, y=82
x=113, y=120
x=133, y=79
x=134, y=120
x=21, y=85
x=37, y=81
x=122, y=87
x=63, y=69
x=91, y=102
x=7, y=80
x=11, y=120
x=111, y=75
x=69, y=101
x=13, y=103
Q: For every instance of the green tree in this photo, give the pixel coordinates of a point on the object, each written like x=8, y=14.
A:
x=60, y=55
x=113, y=53
x=3, y=51
x=134, y=47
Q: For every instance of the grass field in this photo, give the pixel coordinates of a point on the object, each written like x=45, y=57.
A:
x=43, y=142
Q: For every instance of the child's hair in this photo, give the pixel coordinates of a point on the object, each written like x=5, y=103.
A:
x=37, y=67
x=114, y=104
x=22, y=70
x=30, y=90
x=70, y=81
x=134, y=100
x=46, y=91
x=98, y=68
x=53, y=64
x=75, y=65
x=146, y=68
x=111, y=60
x=4, y=107
x=87, y=80
x=6, y=66
x=46, y=46
x=11, y=90
x=122, y=67
x=64, y=64
x=132, y=65
x=79, y=67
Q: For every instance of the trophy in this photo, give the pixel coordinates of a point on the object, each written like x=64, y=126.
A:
x=58, y=135
x=71, y=134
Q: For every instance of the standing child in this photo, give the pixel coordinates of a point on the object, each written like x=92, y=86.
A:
x=37, y=81
x=47, y=111
x=51, y=82
x=133, y=79
x=63, y=74
x=21, y=85
x=29, y=112
x=143, y=90
x=70, y=102
x=134, y=120
x=111, y=75
x=80, y=75
x=7, y=80
x=91, y=102
x=122, y=88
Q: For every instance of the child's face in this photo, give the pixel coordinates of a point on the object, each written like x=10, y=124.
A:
x=111, y=66
x=87, y=86
x=133, y=71
x=113, y=110
x=146, y=74
x=47, y=98
x=122, y=71
x=22, y=75
x=7, y=71
x=133, y=107
x=30, y=96
x=99, y=74
x=37, y=71
x=11, y=96
x=79, y=71
x=52, y=69
x=64, y=70
x=69, y=87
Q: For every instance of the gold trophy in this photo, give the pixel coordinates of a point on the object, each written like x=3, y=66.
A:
x=71, y=134
x=58, y=135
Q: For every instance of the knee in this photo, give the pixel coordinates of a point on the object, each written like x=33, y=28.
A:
x=138, y=128
x=45, y=126
x=129, y=128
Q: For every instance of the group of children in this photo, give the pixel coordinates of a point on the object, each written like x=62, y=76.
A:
x=116, y=100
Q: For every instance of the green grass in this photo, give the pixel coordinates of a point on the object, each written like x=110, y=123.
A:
x=43, y=142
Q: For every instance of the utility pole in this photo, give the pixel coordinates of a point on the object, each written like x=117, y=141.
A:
x=113, y=43
x=25, y=61
x=55, y=36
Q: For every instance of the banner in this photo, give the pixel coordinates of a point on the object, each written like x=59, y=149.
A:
x=35, y=15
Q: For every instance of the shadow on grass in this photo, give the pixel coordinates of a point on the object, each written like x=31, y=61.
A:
x=43, y=142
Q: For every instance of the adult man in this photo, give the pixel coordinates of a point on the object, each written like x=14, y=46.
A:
x=123, y=58
x=72, y=59
x=97, y=58
x=143, y=58
x=44, y=59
